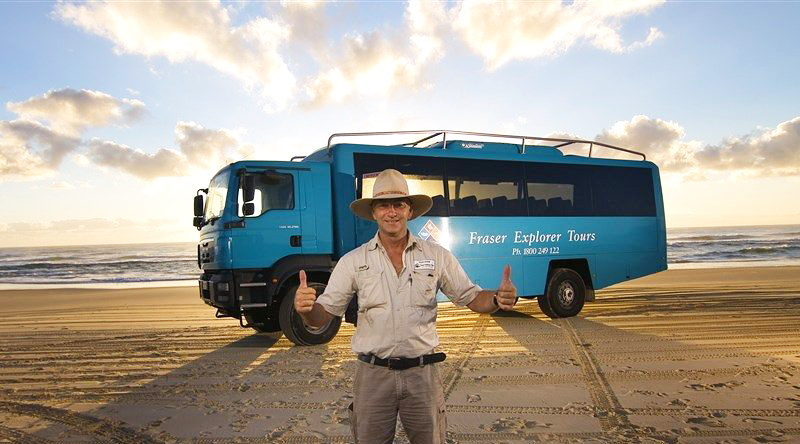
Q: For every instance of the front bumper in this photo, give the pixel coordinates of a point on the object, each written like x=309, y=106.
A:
x=217, y=290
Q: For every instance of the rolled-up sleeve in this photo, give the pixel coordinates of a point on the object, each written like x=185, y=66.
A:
x=340, y=288
x=454, y=282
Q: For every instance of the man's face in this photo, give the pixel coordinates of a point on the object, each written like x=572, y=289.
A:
x=392, y=215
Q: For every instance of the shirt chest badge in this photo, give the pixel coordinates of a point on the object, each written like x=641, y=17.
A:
x=424, y=265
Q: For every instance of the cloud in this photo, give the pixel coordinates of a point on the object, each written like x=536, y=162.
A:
x=504, y=31
x=79, y=225
x=192, y=31
x=62, y=185
x=773, y=151
x=769, y=152
x=359, y=63
x=660, y=140
x=70, y=111
x=164, y=162
x=377, y=62
x=208, y=147
x=199, y=148
x=49, y=127
x=306, y=22
x=29, y=149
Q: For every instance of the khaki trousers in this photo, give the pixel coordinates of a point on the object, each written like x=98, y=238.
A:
x=381, y=394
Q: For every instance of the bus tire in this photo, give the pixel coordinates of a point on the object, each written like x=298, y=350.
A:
x=545, y=306
x=296, y=330
x=566, y=293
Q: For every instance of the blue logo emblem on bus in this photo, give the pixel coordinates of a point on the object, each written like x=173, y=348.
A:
x=430, y=231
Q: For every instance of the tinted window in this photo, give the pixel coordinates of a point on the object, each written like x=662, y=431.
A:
x=494, y=188
x=620, y=191
x=423, y=174
x=485, y=188
x=273, y=191
x=558, y=190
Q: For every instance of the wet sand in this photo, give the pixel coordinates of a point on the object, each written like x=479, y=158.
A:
x=696, y=356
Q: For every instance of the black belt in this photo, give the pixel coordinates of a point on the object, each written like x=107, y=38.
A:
x=403, y=363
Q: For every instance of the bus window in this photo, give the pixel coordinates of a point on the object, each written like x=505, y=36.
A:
x=558, y=190
x=423, y=174
x=485, y=188
x=367, y=167
x=622, y=191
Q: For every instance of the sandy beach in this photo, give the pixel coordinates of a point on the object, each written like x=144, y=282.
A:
x=696, y=356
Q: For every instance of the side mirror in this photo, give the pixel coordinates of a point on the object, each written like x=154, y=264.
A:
x=198, y=205
x=198, y=221
x=248, y=188
x=248, y=209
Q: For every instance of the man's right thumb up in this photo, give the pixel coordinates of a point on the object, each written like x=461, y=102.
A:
x=305, y=296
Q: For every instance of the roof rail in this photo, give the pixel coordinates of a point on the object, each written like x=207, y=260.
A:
x=436, y=133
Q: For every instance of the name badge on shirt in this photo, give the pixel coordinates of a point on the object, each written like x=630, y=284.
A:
x=424, y=265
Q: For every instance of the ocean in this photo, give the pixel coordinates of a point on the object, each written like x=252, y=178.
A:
x=137, y=265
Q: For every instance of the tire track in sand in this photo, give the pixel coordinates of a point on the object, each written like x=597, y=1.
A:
x=8, y=434
x=89, y=425
x=610, y=413
x=464, y=353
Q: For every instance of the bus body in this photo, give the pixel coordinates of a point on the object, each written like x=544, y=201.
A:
x=568, y=225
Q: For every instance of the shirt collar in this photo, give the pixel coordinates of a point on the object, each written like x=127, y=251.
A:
x=375, y=242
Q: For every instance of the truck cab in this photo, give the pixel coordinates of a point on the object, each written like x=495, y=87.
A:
x=261, y=222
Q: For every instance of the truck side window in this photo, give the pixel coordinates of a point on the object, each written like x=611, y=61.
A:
x=480, y=187
x=273, y=191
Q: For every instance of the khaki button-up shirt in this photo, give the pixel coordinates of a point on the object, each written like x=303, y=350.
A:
x=396, y=313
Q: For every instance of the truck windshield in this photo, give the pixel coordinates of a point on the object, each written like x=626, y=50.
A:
x=217, y=190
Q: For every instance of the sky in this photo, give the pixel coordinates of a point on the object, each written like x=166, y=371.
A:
x=113, y=114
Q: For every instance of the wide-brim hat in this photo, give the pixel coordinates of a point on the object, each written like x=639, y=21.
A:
x=390, y=184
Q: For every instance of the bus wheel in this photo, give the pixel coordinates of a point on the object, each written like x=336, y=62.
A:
x=262, y=321
x=545, y=306
x=296, y=330
x=565, y=295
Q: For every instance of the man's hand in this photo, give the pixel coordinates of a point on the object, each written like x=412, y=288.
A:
x=507, y=293
x=305, y=296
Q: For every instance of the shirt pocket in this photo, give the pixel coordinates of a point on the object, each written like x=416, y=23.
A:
x=423, y=288
x=370, y=290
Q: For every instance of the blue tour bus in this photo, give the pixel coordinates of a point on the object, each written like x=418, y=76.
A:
x=567, y=224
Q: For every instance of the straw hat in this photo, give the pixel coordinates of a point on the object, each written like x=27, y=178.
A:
x=390, y=184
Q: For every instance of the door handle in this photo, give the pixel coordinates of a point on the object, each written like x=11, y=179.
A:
x=295, y=241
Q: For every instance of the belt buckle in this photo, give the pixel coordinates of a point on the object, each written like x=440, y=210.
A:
x=394, y=363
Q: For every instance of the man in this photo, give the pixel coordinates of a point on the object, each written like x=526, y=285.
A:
x=396, y=276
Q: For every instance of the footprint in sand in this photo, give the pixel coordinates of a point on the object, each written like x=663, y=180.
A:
x=756, y=419
x=771, y=436
x=514, y=425
x=708, y=422
x=679, y=402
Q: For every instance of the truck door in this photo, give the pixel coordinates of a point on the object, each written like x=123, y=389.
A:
x=273, y=231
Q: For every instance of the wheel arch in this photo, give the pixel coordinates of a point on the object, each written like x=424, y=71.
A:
x=317, y=267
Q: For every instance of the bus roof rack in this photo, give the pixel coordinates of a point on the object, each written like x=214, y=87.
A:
x=436, y=133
